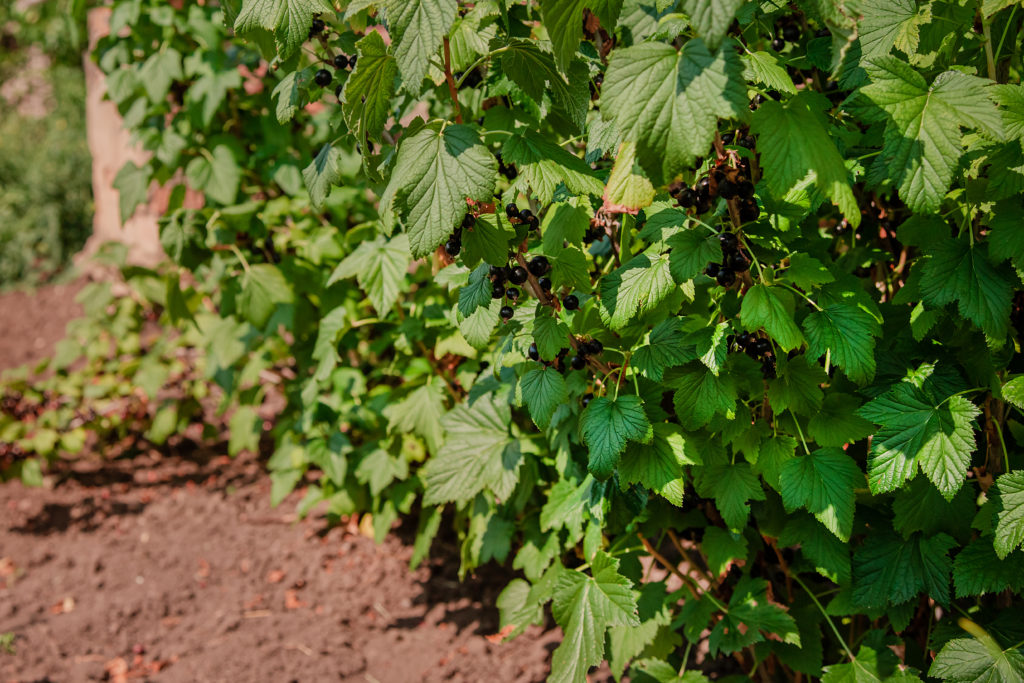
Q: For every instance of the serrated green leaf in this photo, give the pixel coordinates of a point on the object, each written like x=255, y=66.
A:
x=830, y=556
x=288, y=19
x=837, y=422
x=544, y=390
x=366, y=100
x=889, y=23
x=659, y=465
x=891, y=570
x=875, y=663
x=794, y=143
x=1010, y=513
x=732, y=486
x=635, y=289
x=917, y=432
x=420, y=413
x=669, y=102
x=543, y=166
x=488, y=240
x=771, y=308
x=436, y=171
x=807, y=272
x=563, y=20
x=975, y=660
x=417, y=28
x=721, y=548
x=978, y=570
x=627, y=189
x=132, y=185
x=797, y=386
x=322, y=174
x=292, y=93
x=264, y=286
x=848, y=333
x=920, y=507
x=823, y=482
x=711, y=18
x=533, y=69
x=763, y=68
x=750, y=613
x=663, y=348
x=606, y=425
x=701, y=395
x=692, y=251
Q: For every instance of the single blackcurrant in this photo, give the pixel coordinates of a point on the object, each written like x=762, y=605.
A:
x=743, y=339
x=518, y=275
x=728, y=240
x=711, y=270
x=506, y=313
x=791, y=32
x=725, y=277
x=578, y=362
x=747, y=140
x=762, y=346
x=593, y=347
x=571, y=302
x=538, y=265
x=533, y=352
x=340, y=62
x=323, y=78
x=497, y=273
x=703, y=205
x=778, y=44
x=687, y=198
x=745, y=189
x=727, y=138
x=525, y=215
x=738, y=263
x=704, y=184
x=452, y=247
x=497, y=291
x=512, y=293
x=512, y=211
x=468, y=221
x=318, y=26
x=534, y=223
x=727, y=189
x=749, y=212
x=545, y=283
x=337, y=91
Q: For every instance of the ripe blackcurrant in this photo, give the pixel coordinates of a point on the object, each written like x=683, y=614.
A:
x=512, y=293
x=340, y=62
x=533, y=353
x=703, y=205
x=711, y=270
x=749, y=212
x=727, y=189
x=317, y=27
x=497, y=274
x=571, y=302
x=727, y=138
x=337, y=91
x=468, y=221
x=738, y=263
x=704, y=184
x=453, y=247
x=745, y=189
x=497, y=291
x=728, y=240
x=593, y=347
x=538, y=265
x=791, y=32
x=518, y=275
x=578, y=362
x=525, y=215
x=512, y=211
x=743, y=339
x=323, y=78
x=778, y=44
x=687, y=198
x=352, y=61
x=762, y=346
x=506, y=313
x=747, y=140
x=533, y=222
x=725, y=277
x=545, y=283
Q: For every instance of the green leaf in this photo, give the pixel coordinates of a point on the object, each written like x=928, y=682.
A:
x=890, y=570
x=973, y=660
x=1013, y=392
x=322, y=174
x=532, y=69
x=216, y=175
x=823, y=482
x=721, y=548
x=836, y=423
x=889, y=23
x=829, y=555
x=606, y=425
x=421, y=413
x=478, y=454
x=807, y=272
x=585, y=606
x=663, y=672
x=875, y=663
x=380, y=266
x=488, y=240
x=916, y=431
x=711, y=18
x=264, y=286
x=797, y=386
x=563, y=222
x=132, y=185
x=795, y=143
x=659, y=465
x=288, y=19
x=551, y=335
x=435, y=173
x=701, y=395
x=692, y=250
x=763, y=68
x=848, y=333
x=750, y=613
x=664, y=347
x=543, y=166
x=1010, y=516
x=771, y=308
x=417, y=28
x=958, y=271
x=978, y=570
x=477, y=291
x=563, y=20
x=922, y=144
x=1011, y=98
x=627, y=189
x=920, y=507
x=245, y=428
x=669, y=102
x=292, y=93
x=159, y=71
x=366, y=100
x=732, y=486
x=635, y=289
x=544, y=390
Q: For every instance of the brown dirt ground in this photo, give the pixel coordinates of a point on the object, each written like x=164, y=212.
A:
x=172, y=567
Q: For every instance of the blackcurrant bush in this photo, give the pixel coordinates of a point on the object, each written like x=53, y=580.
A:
x=578, y=362
x=791, y=32
x=728, y=240
x=498, y=291
x=512, y=293
x=778, y=44
x=738, y=263
x=453, y=247
x=533, y=353
x=571, y=302
x=687, y=198
x=725, y=277
x=323, y=78
x=711, y=270
x=506, y=312
x=512, y=211
x=518, y=275
x=538, y=265
x=340, y=62
x=545, y=283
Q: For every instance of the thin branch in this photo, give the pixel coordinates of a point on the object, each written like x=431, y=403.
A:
x=452, y=89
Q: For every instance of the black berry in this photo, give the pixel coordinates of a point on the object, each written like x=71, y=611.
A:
x=571, y=302
x=518, y=275
x=497, y=291
x=338, y=91
x=497, y=273
x=745, y=189
x=506, y=312
x=533, y=353
x=545, y=283
x=468, y=221
x=778, y=44
x=512, y=211
x=578, y=362
x=453, y=247
x=317, y=27
x=512, y=293
x=525, y=215
x=727, y=138
x=340, y=62
x=687, y=198
x=728, y=240
x=711, y=270
x=747, y=140
x=749, y=212
x=725, y=277
x=704, y=184
x=538, y=265
x=593, y=347
x=738, y=263
x=534, y=223
x=791, y=32
x=762, y=346
x=743, y=339
x=352, y=61
x=323, y=78
x=727, y=189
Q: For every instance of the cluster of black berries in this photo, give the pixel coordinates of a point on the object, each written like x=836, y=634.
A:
x=758, y=348
x=507, y=170
x=524, y=216
x=788, y=31
x=538, y=266
x=726, y=183
x=454, y=244
x=323, y=77
x=600, y=226
x=733, y=261
x=584, y=349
